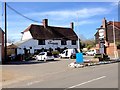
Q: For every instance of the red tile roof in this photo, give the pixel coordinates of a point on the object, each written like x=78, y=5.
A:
x=116, y=24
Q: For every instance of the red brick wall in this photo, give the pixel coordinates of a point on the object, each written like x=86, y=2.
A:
x=119, y=53
x=110, y=50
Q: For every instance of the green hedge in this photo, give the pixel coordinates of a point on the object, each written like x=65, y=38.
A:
x=102, y=57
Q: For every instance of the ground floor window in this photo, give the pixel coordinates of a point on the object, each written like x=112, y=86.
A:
x=63, y=42
x=41, y=42
x=73, y=42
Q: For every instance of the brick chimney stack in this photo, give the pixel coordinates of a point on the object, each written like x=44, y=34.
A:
x=72, y=25
x=45, y=22
x=104, y=22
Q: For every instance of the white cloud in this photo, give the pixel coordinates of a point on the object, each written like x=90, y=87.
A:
x=115, y=3
x=83, y=22
x=59, y=18
x=60, y=15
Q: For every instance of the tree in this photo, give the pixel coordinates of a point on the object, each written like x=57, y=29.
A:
x=89, y=43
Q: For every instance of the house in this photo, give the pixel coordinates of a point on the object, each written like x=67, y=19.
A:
x=38, y=37
x=1, y=45
x=111, y=38
x=11, y=50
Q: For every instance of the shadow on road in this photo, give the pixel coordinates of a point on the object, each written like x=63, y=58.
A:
x=28, y=62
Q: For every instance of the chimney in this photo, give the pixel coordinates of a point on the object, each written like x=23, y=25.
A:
x=104, y=22
x=45, y=22
x=72, y=25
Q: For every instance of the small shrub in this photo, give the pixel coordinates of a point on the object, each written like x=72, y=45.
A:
x=55, y=52
x=102, y=57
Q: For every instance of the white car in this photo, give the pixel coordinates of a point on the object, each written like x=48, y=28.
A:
x=44, y=56
x=91, y=52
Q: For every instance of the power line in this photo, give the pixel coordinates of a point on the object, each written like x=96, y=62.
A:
x=22, y=14
x=30, y=18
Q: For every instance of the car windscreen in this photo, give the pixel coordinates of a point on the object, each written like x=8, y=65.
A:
x=42, y=53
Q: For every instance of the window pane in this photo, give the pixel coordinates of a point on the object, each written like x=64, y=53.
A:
x=63, y=42
x=41, y=42
x=73, y=42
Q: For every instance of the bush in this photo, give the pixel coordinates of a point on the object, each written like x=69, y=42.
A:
x=98, y=55
x=102, y=57
x=55, y=53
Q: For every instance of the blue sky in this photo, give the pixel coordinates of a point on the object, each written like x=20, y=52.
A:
x=87, y=16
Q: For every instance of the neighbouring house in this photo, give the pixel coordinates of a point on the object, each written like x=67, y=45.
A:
x=38, y=37
x=11, y=50
x=112, y=38
x=1, y=45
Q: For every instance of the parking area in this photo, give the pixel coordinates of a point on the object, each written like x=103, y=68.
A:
x=47, y=74
x=19, y=71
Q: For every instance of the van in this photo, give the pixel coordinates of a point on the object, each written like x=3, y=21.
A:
x=68, y=53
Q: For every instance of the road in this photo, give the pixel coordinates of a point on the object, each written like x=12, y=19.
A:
x=57, y=74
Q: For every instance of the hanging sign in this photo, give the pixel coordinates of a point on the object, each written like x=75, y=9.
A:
x=101, y=33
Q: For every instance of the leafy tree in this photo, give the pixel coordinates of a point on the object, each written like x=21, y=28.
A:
x=89, y=43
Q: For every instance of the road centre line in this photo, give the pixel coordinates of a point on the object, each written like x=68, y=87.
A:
x=87, y=82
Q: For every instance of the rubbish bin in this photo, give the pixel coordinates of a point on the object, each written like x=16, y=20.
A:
x=79, y=58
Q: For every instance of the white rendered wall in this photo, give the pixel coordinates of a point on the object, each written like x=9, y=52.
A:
x=48, y=44
x=26, y=35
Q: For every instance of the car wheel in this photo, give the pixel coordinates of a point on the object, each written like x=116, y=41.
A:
x=60, y=56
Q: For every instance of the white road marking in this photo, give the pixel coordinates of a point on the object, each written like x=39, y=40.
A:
x=87, y=82
x=31, y=83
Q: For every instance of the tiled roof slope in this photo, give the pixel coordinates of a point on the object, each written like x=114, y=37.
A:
x=51, y=32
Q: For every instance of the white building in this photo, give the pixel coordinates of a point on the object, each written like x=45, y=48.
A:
x=37, y=37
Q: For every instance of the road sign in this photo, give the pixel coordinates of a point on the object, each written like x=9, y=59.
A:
x=101, y=33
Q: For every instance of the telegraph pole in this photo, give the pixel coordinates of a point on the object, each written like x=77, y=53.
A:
x=5, y=33
x=78, y=33
x=115, y=49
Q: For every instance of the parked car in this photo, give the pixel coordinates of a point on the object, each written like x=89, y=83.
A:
x=44, y=56
x=91, y=52
x=68, y=53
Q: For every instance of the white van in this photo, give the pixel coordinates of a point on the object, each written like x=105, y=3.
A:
x=68, y=53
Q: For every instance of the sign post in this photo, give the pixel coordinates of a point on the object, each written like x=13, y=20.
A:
x=102, y=40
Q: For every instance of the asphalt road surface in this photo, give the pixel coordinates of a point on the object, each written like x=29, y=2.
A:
x=57, y=74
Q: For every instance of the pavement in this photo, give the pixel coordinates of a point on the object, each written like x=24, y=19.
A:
x=57, y=74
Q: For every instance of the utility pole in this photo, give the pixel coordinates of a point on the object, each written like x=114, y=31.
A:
x=78, y=32
x=115, y=51
x=5, y=33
